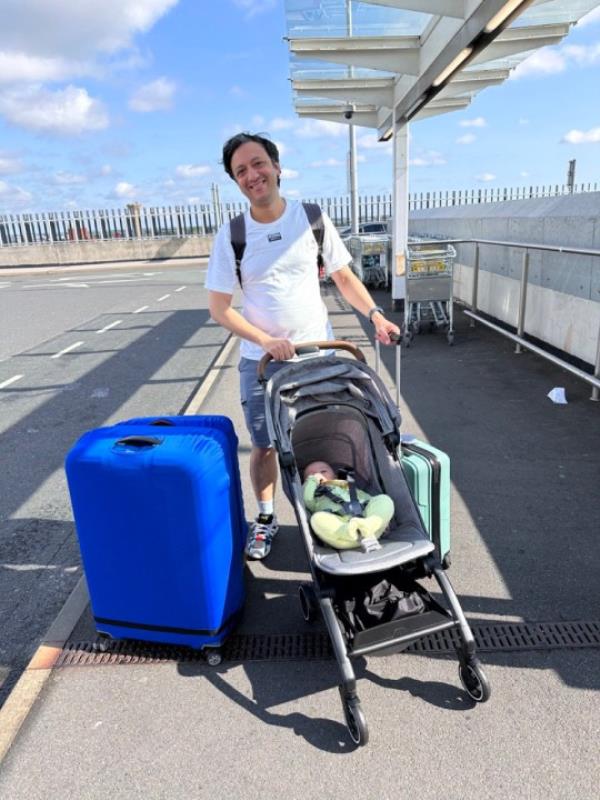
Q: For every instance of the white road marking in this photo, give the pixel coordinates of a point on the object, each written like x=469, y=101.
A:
x=4, y=285
x=8, y=382
x=181, y=288
x=120, y=280
x=164, y=297
x=143, y=308
x=112, y=325
x=67, y=350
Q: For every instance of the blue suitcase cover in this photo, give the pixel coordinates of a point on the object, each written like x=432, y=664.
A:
x=223, y=431
x=161, y=557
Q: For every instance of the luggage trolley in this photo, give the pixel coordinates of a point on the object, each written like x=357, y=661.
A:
x=370, y=253
x=429, y=288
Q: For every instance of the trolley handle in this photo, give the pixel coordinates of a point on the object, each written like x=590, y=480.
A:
x=139, y=441
x=304, y=348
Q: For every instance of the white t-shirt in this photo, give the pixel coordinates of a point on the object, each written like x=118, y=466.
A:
x=280, y=278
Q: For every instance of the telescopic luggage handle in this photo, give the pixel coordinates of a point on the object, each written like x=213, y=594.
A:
x=304, y=348
x=397, y=341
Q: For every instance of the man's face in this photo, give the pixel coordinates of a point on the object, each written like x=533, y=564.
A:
x=255, y=173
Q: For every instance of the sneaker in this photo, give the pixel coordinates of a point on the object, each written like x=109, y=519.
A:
x=262, y=531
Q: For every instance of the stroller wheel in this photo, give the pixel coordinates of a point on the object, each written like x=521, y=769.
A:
x=356, y=721
x=474, y=680
x=308, y=602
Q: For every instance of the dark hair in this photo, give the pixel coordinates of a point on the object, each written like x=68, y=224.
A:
x=231, y=145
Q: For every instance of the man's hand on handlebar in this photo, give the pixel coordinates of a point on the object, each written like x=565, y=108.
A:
x=279, y=349
x=386, y=331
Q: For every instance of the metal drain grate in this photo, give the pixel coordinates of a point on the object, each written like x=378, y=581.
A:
x=315, y=646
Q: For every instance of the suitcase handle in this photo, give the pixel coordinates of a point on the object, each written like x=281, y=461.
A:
x=313, y=347
x=164, y=423
x=397, y=341
x=139, y=441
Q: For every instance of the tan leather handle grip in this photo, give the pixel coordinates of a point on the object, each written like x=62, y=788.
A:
x=308, y=347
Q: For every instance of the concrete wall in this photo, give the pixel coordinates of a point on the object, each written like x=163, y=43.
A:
x=563, y=300
x=104, y=251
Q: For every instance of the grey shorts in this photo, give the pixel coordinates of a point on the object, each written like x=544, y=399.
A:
x=253, y=399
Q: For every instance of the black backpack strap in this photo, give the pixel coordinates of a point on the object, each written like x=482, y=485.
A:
x=237, y=230
x=315, y=217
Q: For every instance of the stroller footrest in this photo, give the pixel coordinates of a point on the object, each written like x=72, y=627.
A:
x=400, y=631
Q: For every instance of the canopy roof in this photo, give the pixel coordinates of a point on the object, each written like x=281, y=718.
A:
x=361, y=62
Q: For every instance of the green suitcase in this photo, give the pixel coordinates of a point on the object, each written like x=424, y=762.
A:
x=427, y=471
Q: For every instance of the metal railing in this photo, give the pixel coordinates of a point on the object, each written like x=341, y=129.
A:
x=156, y=222
x=518, y=338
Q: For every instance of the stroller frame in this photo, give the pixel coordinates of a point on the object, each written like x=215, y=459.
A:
x=406, y=549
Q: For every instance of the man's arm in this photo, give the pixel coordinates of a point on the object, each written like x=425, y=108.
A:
x=357, y=295
x=219, y=306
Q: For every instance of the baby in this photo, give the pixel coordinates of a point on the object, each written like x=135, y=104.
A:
x=336, y=518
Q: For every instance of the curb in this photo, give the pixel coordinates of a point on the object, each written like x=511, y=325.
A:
x=27, y=689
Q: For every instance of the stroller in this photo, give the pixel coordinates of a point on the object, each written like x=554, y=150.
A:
x=337, y=409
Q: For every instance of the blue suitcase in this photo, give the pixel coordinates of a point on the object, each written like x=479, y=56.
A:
x=224, y=432
x=159, y=541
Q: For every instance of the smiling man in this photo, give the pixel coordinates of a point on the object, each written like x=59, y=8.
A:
x=278, y=273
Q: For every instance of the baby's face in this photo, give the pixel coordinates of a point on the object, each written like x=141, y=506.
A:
x=320, y=469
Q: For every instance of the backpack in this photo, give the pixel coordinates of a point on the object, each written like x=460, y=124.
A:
x=238, y=236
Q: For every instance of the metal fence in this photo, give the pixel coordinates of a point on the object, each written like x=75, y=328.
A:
x=141, y=222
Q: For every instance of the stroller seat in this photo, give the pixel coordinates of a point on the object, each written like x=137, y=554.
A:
x=398, y=546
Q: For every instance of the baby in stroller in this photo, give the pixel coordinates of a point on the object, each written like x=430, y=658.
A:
x=343, y=516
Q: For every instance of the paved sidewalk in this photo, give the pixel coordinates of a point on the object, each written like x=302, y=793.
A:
x=525, y=547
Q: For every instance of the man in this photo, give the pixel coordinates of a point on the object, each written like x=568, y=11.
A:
x=282, y=303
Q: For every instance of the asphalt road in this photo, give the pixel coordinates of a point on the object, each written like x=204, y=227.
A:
x=78, y=351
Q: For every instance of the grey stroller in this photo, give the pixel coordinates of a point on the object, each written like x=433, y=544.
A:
x=336, y=409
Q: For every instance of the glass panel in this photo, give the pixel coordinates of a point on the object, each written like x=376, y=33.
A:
x=312, y=18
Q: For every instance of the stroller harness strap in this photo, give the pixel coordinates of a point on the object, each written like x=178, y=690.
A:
x=237, y=230
x=353, y=507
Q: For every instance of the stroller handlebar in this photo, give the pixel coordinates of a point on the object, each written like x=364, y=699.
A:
x=304, y=348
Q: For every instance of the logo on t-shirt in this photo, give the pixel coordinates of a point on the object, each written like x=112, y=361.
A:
x=274, y=237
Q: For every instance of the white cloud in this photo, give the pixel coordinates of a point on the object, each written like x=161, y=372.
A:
x=193, y=201
x=237, y=91
x=281, y=124
x=154, y=96
x=582, y=55
x=546, y=61
x=10, y=166
x=468, y=138
x=124, y=189
x=254, y=7
x=66, y=30
x=282, y=148
x=188, y=171
x=486, y=177
x=590, y=19
x=68, y=179
x=553, y=60
x=328, y=162
x=24, y=68
x=315, y=128
x=524, y=174
x=106, y=169
x=430, y=158
x=69, y=111
x=478, y=122
x=291, y=192
x=289, y=173
x=582, y=137
x=14, y=195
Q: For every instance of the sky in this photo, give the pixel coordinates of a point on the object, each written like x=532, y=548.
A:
x=106, y=103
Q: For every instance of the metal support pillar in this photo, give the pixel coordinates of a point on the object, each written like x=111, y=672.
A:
x=475, y=285
x=400, y=215
x=522, y=299
x=352, y=170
